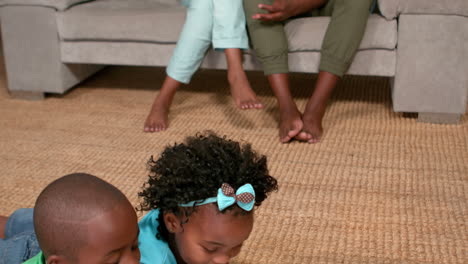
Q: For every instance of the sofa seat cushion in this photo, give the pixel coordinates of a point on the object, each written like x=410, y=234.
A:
x=122, y=20
x=306, y=34
x=393, y=8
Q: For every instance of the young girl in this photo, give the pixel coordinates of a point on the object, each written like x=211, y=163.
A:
x=201, y=196
x=220, y=23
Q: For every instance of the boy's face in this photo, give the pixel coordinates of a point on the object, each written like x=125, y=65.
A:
x=112, y=238
x=210, y=237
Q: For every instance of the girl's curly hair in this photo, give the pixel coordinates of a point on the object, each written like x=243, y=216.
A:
x=196, y=169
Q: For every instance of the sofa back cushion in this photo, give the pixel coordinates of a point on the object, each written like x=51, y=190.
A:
x=57, y=4
x=122, y=20
x=393, y=8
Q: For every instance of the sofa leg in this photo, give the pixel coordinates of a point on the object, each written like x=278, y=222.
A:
x=27, y=95
x=439, y=118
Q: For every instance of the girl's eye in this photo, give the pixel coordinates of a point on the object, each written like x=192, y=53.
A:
x=210, y=250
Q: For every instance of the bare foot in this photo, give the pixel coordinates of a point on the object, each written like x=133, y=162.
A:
x=157, y=119
x=290, y=125
x=312, y=130
x=242, y=92
x=243, y=95
x=315, y=109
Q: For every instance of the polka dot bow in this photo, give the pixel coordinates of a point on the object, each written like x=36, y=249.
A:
x=244, y=197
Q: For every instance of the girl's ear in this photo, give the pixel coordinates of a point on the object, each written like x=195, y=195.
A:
x=54, y=259
x=172, y=222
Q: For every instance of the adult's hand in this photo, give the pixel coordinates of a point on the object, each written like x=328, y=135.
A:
x=281, y=10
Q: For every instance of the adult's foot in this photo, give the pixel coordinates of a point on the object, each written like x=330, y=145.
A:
x=290, y=124
x=312, y=130
x=241, y=91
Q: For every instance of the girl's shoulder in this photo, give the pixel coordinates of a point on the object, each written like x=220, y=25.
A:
x=152, y=249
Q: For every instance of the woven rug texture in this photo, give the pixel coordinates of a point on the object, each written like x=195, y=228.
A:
x=379, y=188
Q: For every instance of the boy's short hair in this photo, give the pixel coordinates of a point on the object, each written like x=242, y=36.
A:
x=65, y=206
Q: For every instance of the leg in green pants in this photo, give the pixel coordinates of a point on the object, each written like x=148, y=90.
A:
x=344, y=34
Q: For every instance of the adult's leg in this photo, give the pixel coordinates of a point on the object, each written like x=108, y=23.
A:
x=230, y=35
x=190, y=50
x=344, y=34
x=271, y=48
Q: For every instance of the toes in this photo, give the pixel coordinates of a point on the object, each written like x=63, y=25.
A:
x=284, y=136
x=258, y=105
x=244, y=105
x=293, y=132
x=313, y=140
x=285, y=139
x=303, y=136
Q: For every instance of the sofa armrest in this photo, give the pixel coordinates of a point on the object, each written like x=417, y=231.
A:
x=57, y=4
x=393, y=8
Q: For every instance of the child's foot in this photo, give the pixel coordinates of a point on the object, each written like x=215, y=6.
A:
x=157, y=119
x=290, y=125
x=242, y=92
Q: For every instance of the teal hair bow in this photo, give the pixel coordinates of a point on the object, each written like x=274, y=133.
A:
x=244, y=197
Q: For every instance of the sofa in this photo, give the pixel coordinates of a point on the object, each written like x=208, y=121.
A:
x=420, y=45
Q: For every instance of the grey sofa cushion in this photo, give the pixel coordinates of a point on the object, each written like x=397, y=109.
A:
x=152, y=21
x=123, y=20
x=57, y=4
x=393, y=8
x=380, y=33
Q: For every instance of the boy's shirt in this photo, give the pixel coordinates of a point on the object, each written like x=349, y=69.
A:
x=38, y=259
x=153, y=250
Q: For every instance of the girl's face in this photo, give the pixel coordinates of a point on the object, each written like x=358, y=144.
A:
x=209, y=237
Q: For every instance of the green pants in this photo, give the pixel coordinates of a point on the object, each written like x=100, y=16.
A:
x=342, y=39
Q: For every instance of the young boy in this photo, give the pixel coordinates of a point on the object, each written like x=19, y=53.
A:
x=78, y=218
x=344, y=34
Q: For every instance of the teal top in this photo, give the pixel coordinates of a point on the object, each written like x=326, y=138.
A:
x=153, y=250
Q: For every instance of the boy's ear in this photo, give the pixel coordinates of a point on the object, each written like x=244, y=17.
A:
x=172, y=222
x=54, y=259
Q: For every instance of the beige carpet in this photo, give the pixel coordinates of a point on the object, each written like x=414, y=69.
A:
x=380, y=188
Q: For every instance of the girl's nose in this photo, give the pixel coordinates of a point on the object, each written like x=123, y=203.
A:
x=221, y=259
